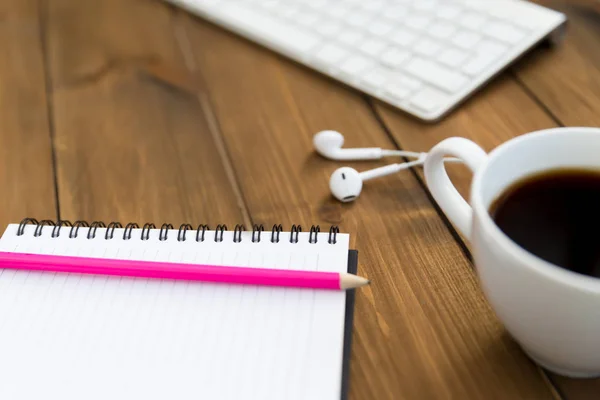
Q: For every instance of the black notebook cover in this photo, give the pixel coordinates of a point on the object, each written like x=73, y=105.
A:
x=350, y=295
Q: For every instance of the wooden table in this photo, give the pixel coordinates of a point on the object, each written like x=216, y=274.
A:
x=136, y=111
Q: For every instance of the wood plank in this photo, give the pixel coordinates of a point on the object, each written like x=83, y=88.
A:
x=423, y=328
x=132, y=144
x=24, y=10
x=26, y=177
x=564, y=77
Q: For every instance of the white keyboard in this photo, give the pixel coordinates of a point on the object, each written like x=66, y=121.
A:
x=422, y=56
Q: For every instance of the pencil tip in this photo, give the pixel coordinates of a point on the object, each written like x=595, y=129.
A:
x=351, y=281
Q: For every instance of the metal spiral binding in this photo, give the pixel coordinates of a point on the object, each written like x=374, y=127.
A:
x=75, y=228
x=182, y=230
x=128, y=228
x=93, y=226
x=146, y=230
x=277, y=229
x=237, y=233
x=333, y=231
x=164, y=231
x=257, y=230
x=110, y=230
x=56, y=228
x=38, y=229
x=204, y=229
x=220, y=229
x=296, y=229
x=313, y=236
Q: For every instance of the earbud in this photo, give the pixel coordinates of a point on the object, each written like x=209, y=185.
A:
x=346, y=183
x=329, y=144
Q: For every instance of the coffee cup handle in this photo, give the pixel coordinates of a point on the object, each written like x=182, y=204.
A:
x=445, y=194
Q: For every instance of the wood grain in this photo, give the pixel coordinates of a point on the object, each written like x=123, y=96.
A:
x=25, y=146
x=423, y=328
x=24, y=10
x=565, y=77
x=132, y=143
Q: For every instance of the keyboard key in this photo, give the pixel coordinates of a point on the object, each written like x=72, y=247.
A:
x=373, y=5
x=466, y=39
x=338, y=10
x=317, y=4
x=504, y=32
x=380, y=28
x=396, y=12
x=409, y=82
x=488, y=46
x=375, y=78
x=442, y=30
x=428, y=100
x=331, y=54
x=288, y=11
x=403, y=37
x=269, y=4
x=328, y=29
x=397, y=90
x=394, y=58
x=426, y=47
x=355, y=65
x=418, y=22
x=372, y=46
x=437, y=75
x=448, y=11
x=453, y=57
x=425, y=5
x=479, y=64
x=478, y=6
x=269, y=28
x=307, y=18
x=358, y=19
x=523, y=17
x=350, y=37
x=472, y=21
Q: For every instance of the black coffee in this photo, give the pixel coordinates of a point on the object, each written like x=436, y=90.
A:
x=556, y=216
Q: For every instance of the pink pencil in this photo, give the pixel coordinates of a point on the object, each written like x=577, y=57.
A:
x=178, y=271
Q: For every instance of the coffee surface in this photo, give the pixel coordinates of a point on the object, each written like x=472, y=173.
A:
x=556, y=216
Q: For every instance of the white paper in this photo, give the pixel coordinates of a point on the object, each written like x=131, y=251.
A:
x=74, y=336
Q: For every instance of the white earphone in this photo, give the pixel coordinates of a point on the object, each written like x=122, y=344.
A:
x=346, y=183
x=329, y=145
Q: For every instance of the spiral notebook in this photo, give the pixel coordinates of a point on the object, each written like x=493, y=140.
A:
x=72, y=336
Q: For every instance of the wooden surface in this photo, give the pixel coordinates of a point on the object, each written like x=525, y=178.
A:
x=133, y=110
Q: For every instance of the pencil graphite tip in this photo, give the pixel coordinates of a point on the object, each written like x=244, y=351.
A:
x=350, y=281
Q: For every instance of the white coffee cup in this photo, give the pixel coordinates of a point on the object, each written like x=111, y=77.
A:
x=552, y=312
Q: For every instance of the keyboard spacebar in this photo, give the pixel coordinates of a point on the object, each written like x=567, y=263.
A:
x=268, y=29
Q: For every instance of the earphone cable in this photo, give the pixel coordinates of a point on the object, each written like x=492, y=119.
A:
x=402, y=153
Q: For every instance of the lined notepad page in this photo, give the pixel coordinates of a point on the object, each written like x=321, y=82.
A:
x=72, y=336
